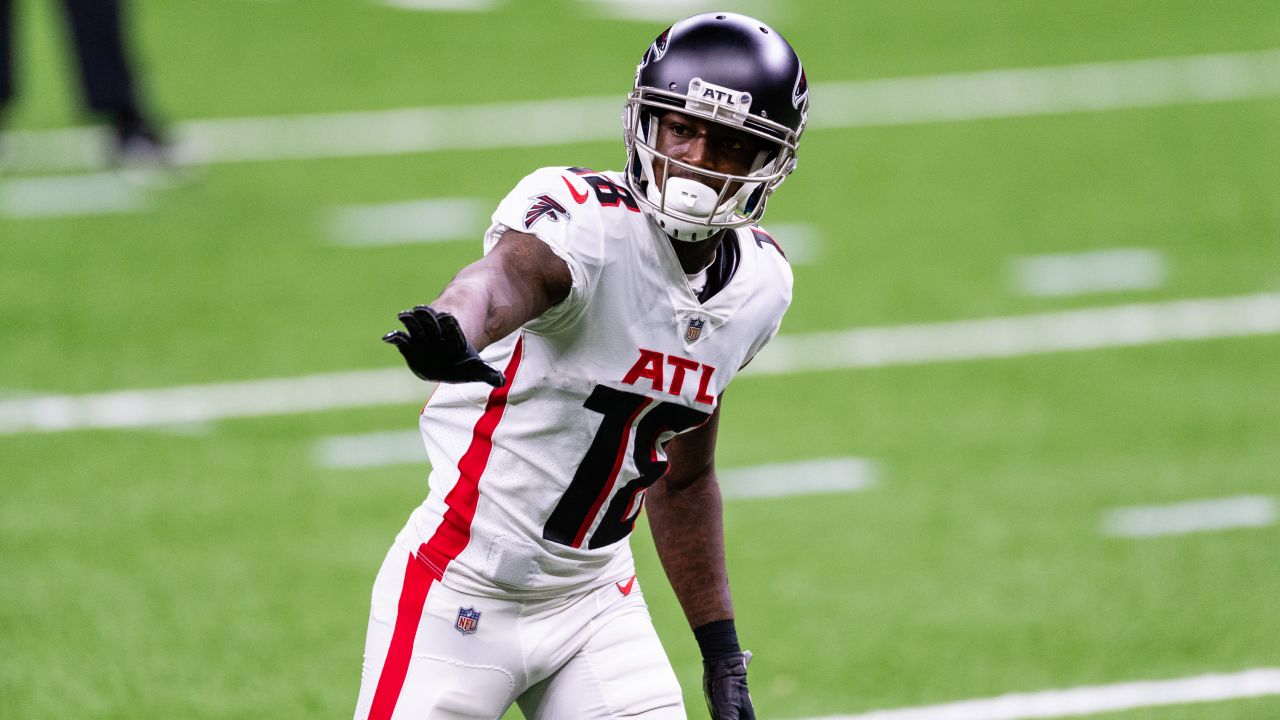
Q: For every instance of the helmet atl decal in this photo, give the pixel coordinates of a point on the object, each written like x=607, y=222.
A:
x=468, y=620
x=544, y=206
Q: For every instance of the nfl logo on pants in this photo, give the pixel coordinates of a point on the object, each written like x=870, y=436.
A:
x=468, y=620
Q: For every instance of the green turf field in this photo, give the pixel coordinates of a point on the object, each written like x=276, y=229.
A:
x=213, y=570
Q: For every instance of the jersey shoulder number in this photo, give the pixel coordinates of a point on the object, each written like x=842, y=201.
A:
x=763, y=239
x=607, y=192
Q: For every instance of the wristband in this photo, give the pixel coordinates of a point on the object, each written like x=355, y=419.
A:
x=717, y=639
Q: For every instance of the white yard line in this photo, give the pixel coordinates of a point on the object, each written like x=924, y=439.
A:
x=1244, y=511
x=448, y=219
x=999, y=337
x=666, y=10
x=369, y=450
x=76, y=195
x=1091, y=700
x=655, y=10
x=802, y=242
x=1115, y=270
x=340, y=135
x=1068, y=331
x=418, y=221
x=1020, y=92
x=442, y=5
x=200, y=403
x=806, y=477
x=1091, y=87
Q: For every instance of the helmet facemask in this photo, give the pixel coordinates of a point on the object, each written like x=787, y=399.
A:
x=692, y=210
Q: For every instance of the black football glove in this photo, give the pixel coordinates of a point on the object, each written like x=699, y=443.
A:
x=435, y=348
x=724, y=682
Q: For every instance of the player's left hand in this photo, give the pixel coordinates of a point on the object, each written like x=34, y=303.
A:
x=724, y=681
x=436, y=349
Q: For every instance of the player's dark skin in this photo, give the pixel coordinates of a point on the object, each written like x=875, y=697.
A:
x=521, y=278
x=706, y=145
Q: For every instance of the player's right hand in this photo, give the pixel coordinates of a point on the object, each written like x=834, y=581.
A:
x=433, y=345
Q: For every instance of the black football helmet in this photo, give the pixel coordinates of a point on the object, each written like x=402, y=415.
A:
x=724, y=68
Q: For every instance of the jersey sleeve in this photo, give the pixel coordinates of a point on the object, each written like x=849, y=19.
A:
x=780, y=279
x=543, y=205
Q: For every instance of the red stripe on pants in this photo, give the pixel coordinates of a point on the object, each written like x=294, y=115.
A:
x=434, y=556
x=413, y=597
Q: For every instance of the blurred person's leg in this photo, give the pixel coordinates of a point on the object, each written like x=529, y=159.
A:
x=6, y=55
x=98, y=31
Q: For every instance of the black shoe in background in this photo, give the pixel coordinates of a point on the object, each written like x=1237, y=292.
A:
x=138, y=143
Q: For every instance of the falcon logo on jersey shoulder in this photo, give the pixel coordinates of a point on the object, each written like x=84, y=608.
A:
x=544, y=206
x=468, y=620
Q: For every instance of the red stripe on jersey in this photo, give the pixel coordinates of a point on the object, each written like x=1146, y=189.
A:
x=613, y=474
x=413, y=596
x=449, y=539
x=455, y=530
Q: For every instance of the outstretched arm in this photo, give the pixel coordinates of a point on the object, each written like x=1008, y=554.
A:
x=687, y=519
x=518, y=280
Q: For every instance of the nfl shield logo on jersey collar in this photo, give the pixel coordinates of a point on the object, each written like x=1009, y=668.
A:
x=468, y=620
x=694, y=330
x=694, y=325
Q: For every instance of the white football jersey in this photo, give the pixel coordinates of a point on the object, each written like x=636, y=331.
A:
x=535, y=486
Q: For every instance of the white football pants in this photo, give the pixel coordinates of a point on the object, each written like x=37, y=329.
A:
x=589, y=656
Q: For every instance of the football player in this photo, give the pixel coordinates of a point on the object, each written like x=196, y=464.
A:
x=582, y=363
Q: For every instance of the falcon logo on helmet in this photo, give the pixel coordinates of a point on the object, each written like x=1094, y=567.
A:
x=544, y=206
x=656, y=49
x=800, y=96
x=660, y=45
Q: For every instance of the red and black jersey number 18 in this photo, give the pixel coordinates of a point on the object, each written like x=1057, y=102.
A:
x=599, y=470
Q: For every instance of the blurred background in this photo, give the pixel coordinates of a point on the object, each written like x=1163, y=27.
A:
x=1020, y=431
